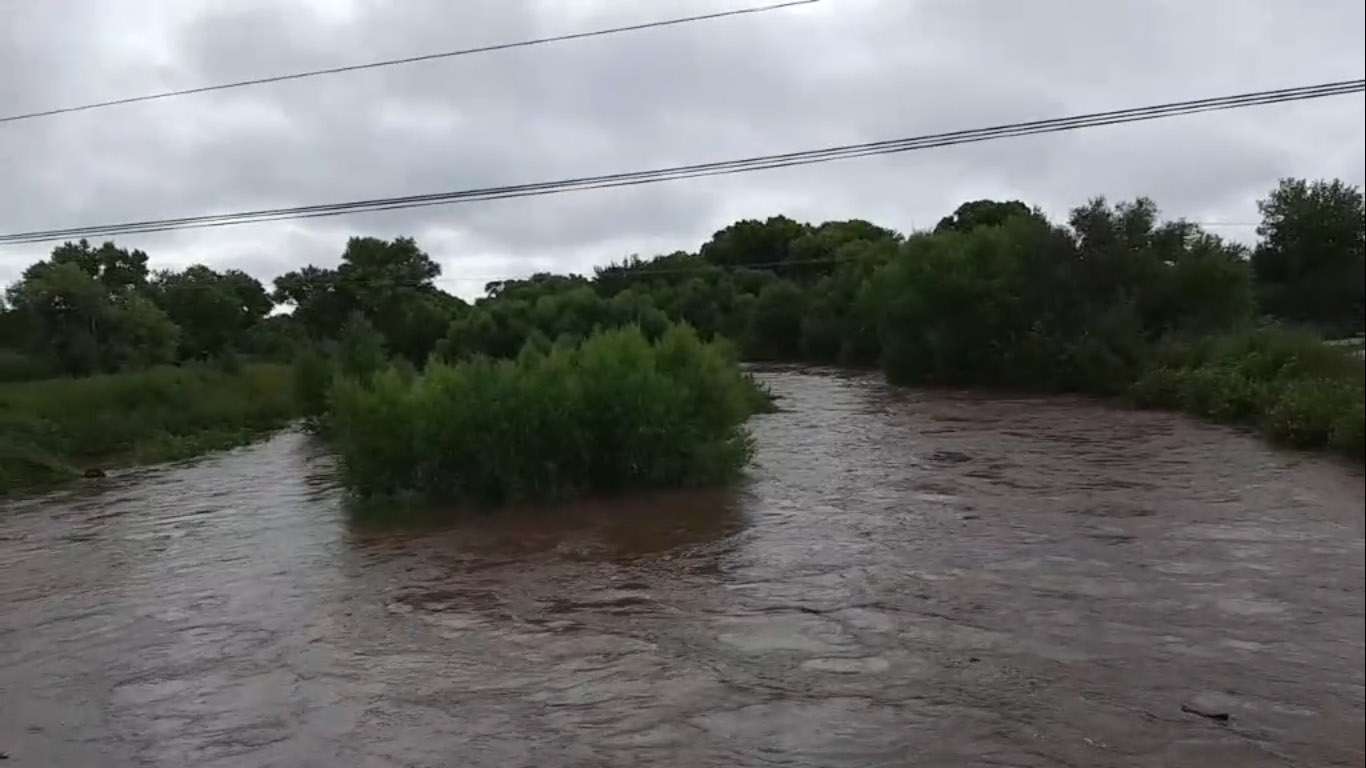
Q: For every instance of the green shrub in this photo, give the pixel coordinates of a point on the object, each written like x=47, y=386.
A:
x=360, y=349
x=612, y=413
x=17, y=366
x=312, y=375
x=1159, y=387
x=26, y=464
x=1221, y=394
x=1307, y=412
x=1299, y=390
x=1348, y=433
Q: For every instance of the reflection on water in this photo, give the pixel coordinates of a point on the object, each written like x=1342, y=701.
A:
x=907, y=577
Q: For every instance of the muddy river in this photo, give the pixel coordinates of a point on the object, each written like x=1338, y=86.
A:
x=906, y=578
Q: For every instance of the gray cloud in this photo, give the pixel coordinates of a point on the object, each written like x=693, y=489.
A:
x=842, y=71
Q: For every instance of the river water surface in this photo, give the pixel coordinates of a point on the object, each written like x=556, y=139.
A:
x=907, y=578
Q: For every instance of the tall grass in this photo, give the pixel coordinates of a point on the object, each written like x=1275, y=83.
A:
x=615, y=412
x=1295, y=388
x=51, y=428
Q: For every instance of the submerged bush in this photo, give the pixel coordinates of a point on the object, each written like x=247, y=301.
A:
x=614, y=412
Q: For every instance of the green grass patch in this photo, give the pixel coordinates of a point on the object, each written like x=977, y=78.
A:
x=51, y=428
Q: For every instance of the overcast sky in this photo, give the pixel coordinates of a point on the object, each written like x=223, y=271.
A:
x=838, y=72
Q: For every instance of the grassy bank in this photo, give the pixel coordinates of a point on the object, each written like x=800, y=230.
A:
x=613, y=413
x=1298, y=390
x=51, y=429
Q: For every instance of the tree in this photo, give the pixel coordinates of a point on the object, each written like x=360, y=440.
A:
x=215, y=311
x=360, y=348
x=1173, y=276
x=117, y=269
x=776, y=328
x=320, y=305
x=68, y=310
x=1212, y=285
x=818, y=252
x=390, y=282
x=142, y=335
x=86, y=313
x=1309, y=264
x=753, y=242
x=373, y=267
x=982, y=213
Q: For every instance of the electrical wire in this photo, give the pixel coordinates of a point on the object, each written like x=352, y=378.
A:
x=759, y=163
x=405, y=60
x=762, y=162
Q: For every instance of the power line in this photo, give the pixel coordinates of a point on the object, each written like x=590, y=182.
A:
x=406, y=60
x=757, y=163
x=719, y=168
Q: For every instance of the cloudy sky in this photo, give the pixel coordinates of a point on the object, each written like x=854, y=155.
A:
x=837, y=72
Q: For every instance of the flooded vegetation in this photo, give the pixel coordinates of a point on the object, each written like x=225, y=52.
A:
x=1115, y=302
x=874, y=574
x=53, y=430
x=1297, y=390
x=614, y=413
x=906, y=576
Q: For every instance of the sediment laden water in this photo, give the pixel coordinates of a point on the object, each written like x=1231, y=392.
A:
x=907, y=578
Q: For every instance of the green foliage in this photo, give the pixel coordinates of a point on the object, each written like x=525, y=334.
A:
x=753, y=242
x=275, y=338
x=1307, y=412
x=215, y=311
x=20, y=366
x=389, y=282
x=69, y=311
x=360, y=349
x=613, y=413
x=1348, y=433
x=1026, y=304
x=975, y=307
x=117, y=269
x=145, y=336
x=1297, y=389
x=84, y=310
x=24, y=464
x=1309, y=265
x=775, y=331
x=312, y=374
x=47, y=427
x=1116, y=302
x=982, y=213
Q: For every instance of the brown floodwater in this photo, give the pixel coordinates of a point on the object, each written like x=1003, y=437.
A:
x=906, y=578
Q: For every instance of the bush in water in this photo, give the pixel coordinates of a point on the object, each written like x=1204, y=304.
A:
x=615, y=412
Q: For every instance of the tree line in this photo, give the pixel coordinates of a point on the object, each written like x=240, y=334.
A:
x=1114, y=301
x=995, y=294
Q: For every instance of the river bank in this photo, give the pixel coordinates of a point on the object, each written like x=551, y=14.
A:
x=53, y=430
x=932, y=577
x=1292, y=387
